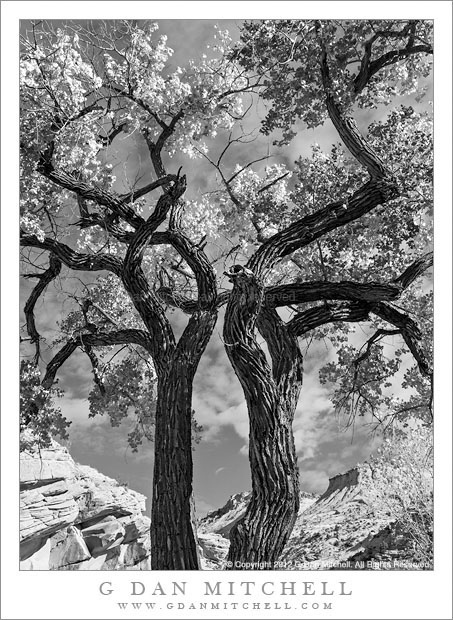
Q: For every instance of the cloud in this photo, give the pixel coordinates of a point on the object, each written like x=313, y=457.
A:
x=235, y=417
x=313, y=420
x=76, y=410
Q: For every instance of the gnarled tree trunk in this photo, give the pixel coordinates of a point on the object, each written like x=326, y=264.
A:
x=271, y=397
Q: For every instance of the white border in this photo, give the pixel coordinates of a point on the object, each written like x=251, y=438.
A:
x=375, y=595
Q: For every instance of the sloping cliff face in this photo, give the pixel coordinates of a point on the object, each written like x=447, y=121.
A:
x=338, y=526
x=74, y=518
x=337, y=530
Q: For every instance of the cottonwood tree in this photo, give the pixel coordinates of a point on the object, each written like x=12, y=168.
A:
x=356, y=232
x=342, y=242
x=90, y=96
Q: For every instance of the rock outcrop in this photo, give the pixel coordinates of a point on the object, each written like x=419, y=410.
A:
x=74, y=518
x=339, y=529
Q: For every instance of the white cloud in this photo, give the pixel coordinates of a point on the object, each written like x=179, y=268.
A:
x=213, y=422
x=76, y=410
x=314, y=420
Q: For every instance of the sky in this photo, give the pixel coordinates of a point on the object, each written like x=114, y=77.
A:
x=220, y=459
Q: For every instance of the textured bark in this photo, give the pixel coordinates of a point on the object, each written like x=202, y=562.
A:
x=271, y=397
x=173, y=533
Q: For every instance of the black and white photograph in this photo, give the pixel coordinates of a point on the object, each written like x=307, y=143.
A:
x=225, y=305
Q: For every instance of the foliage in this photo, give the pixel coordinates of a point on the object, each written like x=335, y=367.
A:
x=287, y=53
x=38, y=412
x=401, y=486
x=124, y=386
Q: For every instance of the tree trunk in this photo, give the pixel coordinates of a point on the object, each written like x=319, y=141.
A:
x=173, y=531
x=271, y=397
x=268, y=522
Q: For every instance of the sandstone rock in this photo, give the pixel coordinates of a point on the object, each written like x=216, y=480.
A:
x=137, y=551
x=136, y=528
x=46, y=509
x=60, y=498
x=103, y=535
x=213, y=550
x=100, y=496
x=46, y=464
x=222, y=520
x=143, y=565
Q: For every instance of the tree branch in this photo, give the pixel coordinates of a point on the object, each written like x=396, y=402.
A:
x=370, y=67
x=194, y=256
x=305, y=321
x=416, y=269
x=123, y=336
x=95, y=365
x=84, y=190
x=287, y=362
x=108, y=224
x=71, y=258
x=136, y=194
x=299, y=293
x=347, y=128
x=44, y=279
x=144, y=299
x=410, y=331
x=370, y=292
x=311, y=227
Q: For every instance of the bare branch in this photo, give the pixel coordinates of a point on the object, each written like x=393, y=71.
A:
x=273, y=182
x=123, y=336
x=142, y=191
x=95, y=365
x=44, y=279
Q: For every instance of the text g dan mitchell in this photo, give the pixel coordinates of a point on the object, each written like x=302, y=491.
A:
x=227, y=588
